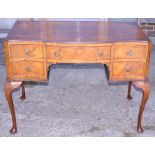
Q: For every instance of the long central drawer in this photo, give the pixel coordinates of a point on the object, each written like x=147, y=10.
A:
x=85, y=53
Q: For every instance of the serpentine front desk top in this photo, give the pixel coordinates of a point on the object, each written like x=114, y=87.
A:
x=32, y=46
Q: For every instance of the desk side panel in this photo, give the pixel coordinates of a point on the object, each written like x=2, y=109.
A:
x=7, y=60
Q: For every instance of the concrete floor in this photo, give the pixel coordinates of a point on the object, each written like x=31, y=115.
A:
x=77, y=101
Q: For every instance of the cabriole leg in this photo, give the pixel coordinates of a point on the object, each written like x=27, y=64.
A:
x=145, y=87
x=9, y=86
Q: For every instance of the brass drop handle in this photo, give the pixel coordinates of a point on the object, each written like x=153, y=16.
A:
x=27, y=52
x=57, y=53
x=130, y=52
x=28, y=69
x=128, y=69
x=100, y=53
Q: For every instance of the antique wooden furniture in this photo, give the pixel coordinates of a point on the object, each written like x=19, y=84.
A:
x=32, y=46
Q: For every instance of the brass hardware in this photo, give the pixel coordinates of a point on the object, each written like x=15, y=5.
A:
x=100, y=53
x=128, y=69
x=27, y=52
x=28, y=69
x=130, y=52
x=57, y=53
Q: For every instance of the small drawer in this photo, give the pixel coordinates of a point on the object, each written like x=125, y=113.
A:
x=78, y=53
x=129, y=51
x=27, y=69
x=127, y=70
x=26, y=51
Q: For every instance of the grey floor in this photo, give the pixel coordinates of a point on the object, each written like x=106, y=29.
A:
x=77, y=101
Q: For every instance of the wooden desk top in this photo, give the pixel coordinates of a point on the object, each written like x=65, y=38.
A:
x=76, y=32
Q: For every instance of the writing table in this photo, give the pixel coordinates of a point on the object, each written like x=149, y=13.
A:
x=31, y=47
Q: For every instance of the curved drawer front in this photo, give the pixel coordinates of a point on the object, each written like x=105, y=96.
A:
x=28, y=69
x=26, y=51
x=127, y=70
x=130, y=51
x=78, y=53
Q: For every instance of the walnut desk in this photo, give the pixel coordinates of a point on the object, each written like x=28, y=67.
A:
x=32, y=46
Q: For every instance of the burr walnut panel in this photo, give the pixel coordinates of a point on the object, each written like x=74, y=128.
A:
x=84, y=53
x=130, y=51
x=26, y=51
x=128, y=70
x=28, y=70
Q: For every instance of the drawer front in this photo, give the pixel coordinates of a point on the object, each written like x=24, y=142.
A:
x=126, y=70
x=26, y=51
x=130, y=51
x=27, y=69
x=78, y=53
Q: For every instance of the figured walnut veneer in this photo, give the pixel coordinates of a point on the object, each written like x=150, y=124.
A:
x=32, y=46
